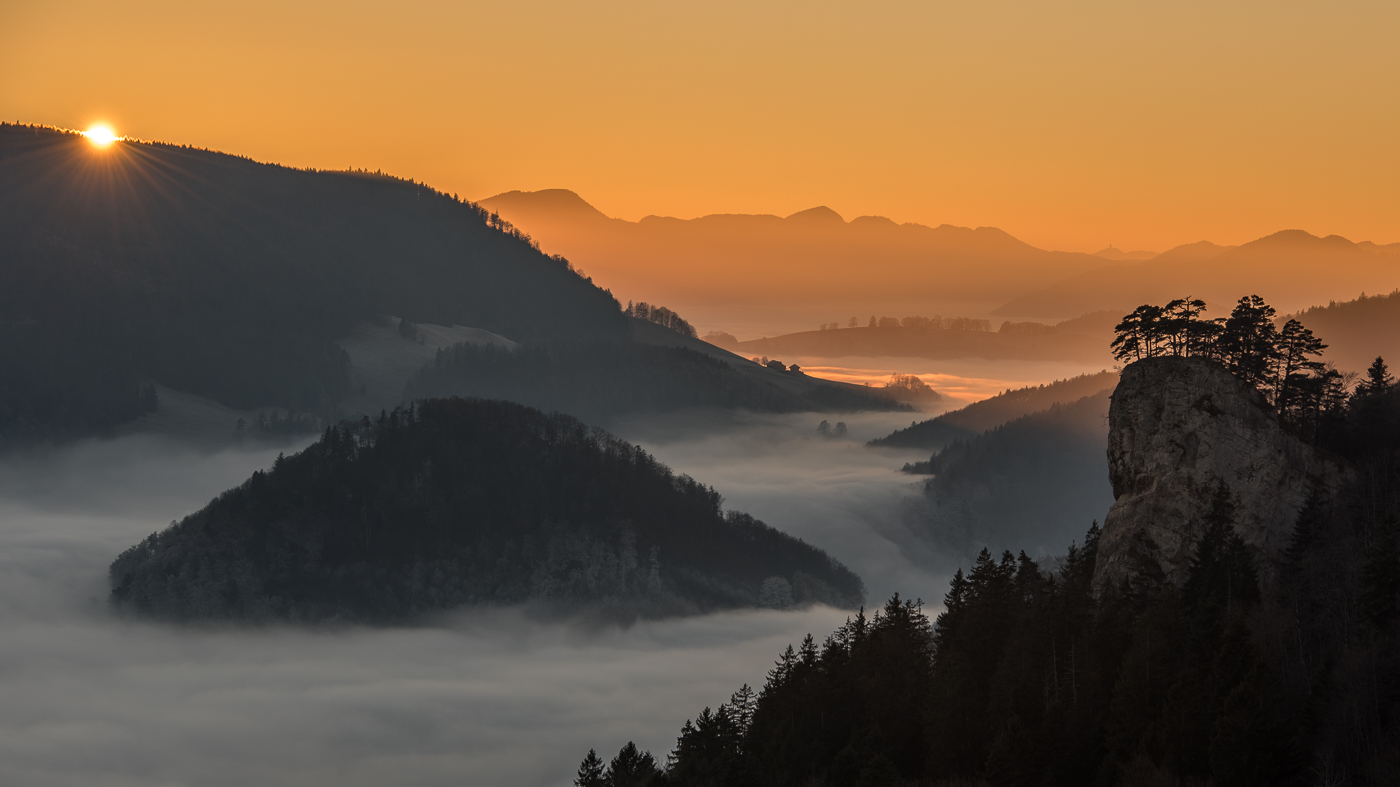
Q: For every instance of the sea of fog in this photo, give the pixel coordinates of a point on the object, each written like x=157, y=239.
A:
x=482, y=697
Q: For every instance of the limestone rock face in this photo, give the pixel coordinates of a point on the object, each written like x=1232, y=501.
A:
x=1178, y=428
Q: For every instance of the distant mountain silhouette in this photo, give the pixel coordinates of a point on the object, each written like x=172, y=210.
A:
x=813, y=257
x=1200, y=251
x=1112, y=253
x=817, y=217
x=1292, y=269
x=555, y=204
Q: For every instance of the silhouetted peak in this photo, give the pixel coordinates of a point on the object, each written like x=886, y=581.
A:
x=555, y=203
x=874, y=222
x=818, y=215
x=1115, y=253
x=1297, y=238
x=1193, y=252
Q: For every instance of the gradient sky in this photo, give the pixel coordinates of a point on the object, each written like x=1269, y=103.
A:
x=1068, y=124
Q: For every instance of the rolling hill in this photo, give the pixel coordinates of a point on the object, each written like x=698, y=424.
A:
x=460, y=502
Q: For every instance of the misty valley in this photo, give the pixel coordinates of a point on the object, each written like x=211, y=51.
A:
x=314, y=476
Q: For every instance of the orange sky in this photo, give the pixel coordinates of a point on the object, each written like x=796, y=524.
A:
x=1068, y=124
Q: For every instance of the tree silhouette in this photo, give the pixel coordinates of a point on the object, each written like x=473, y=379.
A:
x=632, y=768
x=1378, y=379
x=1249, y=341
x=590, y=772
x=1283, y=365
x=1296, y=351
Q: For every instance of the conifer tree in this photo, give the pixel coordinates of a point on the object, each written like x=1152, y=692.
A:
x=741, y=707
x=1222, y=572
x=1181, y=321
x=590, y=772
x=1380, y=576
x=631, y=768
x=1249, y=341
x=1296, y=352
x=1378, y=379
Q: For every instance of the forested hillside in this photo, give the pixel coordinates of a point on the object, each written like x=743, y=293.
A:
x=468, y=502
x=1028, y=484
x=992, y=412
x=224, y=277
x=887, y=336
x=599, y=380
x=1357, y=330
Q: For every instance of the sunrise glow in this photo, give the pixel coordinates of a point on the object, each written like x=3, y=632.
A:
x=101, y=136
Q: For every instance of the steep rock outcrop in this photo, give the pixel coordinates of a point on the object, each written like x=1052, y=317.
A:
x=1178, y=429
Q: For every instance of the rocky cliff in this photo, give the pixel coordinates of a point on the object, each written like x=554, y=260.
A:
x=1179, y=428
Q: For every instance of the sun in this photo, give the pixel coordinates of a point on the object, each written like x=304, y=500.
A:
x=101, y=136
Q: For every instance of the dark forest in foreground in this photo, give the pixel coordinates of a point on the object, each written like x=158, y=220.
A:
x=1029, y=678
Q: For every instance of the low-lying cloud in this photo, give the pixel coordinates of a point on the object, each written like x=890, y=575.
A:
x=484, y=697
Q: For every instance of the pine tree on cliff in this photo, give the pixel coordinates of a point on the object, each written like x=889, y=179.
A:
x=1249, y=341
x=1296, y=350
x=1186, y=333
x=1139, y=335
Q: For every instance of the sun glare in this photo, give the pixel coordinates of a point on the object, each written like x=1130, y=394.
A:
x=101, y=136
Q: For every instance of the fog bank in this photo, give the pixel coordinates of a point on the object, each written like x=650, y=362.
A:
x=832, y=492
x=485, y=697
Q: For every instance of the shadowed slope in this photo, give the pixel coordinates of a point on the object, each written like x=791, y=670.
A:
x=979, y=417
x=224, y=277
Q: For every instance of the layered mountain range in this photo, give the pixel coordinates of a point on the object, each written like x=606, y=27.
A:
x=719, y=263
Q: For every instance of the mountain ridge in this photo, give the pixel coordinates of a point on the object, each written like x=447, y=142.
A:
x=1291, y=268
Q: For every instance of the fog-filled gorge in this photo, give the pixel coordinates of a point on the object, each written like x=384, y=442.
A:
x=500, y=695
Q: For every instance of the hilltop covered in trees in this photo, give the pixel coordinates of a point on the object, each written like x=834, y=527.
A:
x=661, y=316
x=459, y=502
x=1281, y=363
